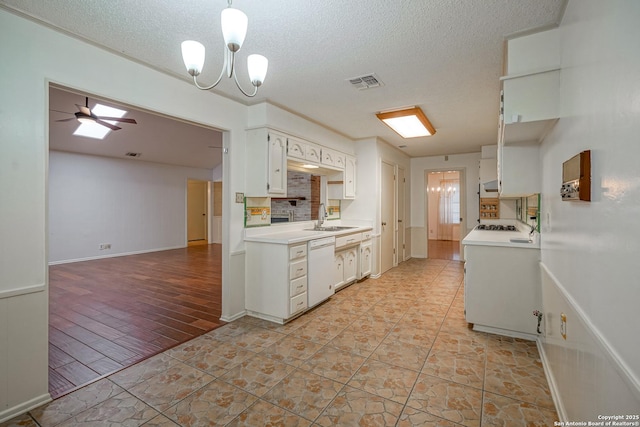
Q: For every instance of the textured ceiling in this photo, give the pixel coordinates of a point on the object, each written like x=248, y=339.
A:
x=442, y=55
x=157, y=138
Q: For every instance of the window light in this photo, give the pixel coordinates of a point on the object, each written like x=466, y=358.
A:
x=408, y=123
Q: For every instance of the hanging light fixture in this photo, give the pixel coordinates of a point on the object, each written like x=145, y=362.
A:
x=234, y=30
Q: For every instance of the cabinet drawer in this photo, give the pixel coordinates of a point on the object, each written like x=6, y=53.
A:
x=298, y=286
x=297, y=251
x=350, y=239
x=298, y=303
x=297, y=269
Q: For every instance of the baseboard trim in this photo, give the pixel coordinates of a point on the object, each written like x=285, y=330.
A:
x=145, y=251
x=20, y=409
x=233, y=317
x=553, y=385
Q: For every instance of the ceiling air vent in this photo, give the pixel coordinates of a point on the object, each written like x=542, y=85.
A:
x=367, y=81
x=130, y=154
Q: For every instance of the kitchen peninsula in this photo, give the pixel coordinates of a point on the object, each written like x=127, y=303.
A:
x=292, y=268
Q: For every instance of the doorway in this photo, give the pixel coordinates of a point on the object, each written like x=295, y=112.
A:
x=388, y=218
x=197, y=212
x=445, y=196
x=123, y=285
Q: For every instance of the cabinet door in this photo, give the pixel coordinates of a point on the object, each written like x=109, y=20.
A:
x=312, y=153
x=351, y=265
x=365, y=259
x=338, y=272
x=297, y=149
x=277, y=173
x=350, y=178
x=328, y=157
x=340, y=161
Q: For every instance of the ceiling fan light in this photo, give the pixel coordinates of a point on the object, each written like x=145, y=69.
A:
x=85, y=119
x=234, y=28
x=257, y=65
x=193, y=56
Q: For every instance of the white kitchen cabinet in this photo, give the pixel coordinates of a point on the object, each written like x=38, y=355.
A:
x=531, y=98
x=366, y=258
x=304, y=150
x=347, y=259
x=518, y=169
x=343, y=184
x=530, y=90
x=276, y=280
x=332, y=158
x=350, y=178
x=266, y=171
x=502, y=289
x=338, y=272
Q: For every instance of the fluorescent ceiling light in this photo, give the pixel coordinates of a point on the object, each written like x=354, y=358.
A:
x=91, y=129
x=310, y=166
x=408, y=123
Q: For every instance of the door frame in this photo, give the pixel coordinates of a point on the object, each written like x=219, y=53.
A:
x=208, y=200
x=463, y=204
x=393, y=220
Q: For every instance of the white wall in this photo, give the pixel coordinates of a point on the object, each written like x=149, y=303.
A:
x=45, y=55
x=467, y=162
x=135, y=206
x=590, y=249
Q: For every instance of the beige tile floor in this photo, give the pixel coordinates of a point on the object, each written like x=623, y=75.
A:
x=395, y=351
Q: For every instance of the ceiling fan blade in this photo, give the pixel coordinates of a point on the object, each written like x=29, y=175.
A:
x=66, y=120
x=83, y=109
x=118, y=119
x=109, y=125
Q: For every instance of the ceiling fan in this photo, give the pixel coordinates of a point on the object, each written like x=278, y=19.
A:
x=85, y=115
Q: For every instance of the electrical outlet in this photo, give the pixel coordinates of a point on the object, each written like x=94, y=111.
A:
x=563, y=325
x=104, y=246
x=239, y=197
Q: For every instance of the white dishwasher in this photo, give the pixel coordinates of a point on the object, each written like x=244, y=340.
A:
x=320, y=268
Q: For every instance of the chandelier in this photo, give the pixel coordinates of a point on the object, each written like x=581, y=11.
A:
x=234, y=30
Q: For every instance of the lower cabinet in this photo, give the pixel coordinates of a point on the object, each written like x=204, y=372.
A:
x=346, y=266
x=275, y=280
x=366, y=258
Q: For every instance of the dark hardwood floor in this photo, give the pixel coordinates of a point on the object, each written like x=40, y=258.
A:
x=110, y=313
x=444, y=249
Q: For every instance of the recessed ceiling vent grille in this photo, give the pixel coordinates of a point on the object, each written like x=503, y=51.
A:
x=367, y=81
x=131, y=154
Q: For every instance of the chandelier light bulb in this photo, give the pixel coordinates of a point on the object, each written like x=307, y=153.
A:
x=234, y=28
x=257, y=65
x=193, y=56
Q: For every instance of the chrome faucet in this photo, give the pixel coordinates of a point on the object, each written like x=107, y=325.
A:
x=322, y=214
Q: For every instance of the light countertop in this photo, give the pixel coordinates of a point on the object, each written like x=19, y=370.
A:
x=288, y=237
x=501, y=238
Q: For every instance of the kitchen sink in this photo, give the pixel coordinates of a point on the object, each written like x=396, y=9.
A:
x=333, y=228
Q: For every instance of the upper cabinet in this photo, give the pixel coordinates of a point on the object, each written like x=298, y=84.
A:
x=529, y=108
x=350, y=178
x=267, y=165
x=530, y=102
x=304, y=150
x=333, y=158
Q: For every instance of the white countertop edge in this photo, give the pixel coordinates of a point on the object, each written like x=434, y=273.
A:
x=299, y=236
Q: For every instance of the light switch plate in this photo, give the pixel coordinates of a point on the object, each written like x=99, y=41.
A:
x=239, y=197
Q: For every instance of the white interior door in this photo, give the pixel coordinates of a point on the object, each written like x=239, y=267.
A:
x=400, y=223
x=196, y=210
x=387, y=216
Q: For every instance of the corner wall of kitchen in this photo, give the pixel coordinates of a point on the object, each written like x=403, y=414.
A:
x=590, y=250
x=50, y=56
x=468, y=162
